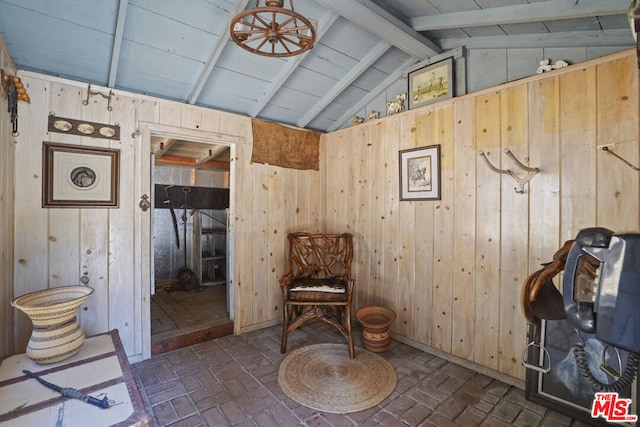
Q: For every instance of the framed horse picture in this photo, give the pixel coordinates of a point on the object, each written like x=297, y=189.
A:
x=420, y=173
x=431, y=84
x=79, y=176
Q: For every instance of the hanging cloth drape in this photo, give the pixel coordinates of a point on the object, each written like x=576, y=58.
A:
x=283, y=146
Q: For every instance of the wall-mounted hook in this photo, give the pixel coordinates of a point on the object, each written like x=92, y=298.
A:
x=531, y=172
x=107, y=97
x=608, y=150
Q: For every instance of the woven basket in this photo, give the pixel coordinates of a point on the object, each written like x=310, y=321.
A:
x=376, y=321
x=56, y=333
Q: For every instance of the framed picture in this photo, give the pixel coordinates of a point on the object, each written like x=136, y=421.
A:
x=420, y=173
x=432, y=83
x=560, y=385
x=78, y=176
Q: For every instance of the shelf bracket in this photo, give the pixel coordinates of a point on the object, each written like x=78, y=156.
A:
x=623, y=160
x=521, y=181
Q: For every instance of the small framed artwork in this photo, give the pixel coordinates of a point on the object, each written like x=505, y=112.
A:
x=78, y=176
x=432, y=83
x=420, y=173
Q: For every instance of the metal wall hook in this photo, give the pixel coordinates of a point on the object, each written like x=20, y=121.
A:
x=107, y=97
x=623, y=160
x=531, y=172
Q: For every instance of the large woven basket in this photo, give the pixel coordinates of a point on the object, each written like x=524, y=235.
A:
x=56, y=333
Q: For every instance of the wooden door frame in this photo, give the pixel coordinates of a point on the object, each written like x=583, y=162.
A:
x=144, y=241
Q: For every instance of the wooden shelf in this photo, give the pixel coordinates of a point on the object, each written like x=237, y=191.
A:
x=209, y=231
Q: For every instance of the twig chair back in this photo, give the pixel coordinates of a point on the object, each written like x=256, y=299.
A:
x=317, y=283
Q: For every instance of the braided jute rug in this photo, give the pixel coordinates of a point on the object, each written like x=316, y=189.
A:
x=323, y=377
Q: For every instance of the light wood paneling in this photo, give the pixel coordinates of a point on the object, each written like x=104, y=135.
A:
x=442, y=133
x=424, y=316
x=487, y=237
x=617, y=123
x=458, y=290
x=513, y=259
x=31, y=224
x=463, y=306
x=7, y=166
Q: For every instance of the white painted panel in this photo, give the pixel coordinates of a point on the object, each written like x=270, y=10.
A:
x=205, y=15
x=154, y=62
x=487, y=68
x=522, y=63
x=308, y=81
x=168, y=34
x=570, y=55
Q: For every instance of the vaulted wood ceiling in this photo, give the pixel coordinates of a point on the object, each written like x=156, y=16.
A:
x=181, y=50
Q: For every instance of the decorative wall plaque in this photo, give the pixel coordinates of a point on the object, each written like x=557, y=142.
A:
x=83, y=128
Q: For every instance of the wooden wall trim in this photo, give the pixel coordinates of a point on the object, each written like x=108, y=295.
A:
x=7, y=167
x=500, y=376
x=526, y=80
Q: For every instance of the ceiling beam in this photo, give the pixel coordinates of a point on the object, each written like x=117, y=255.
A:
x=215, y=53
x=382, y=86
x=323, y=26
x=545, y=40
x=542, y=11
x=362, y=65
x=117, y=42
x=188, y=161
x=162, y=147
x=211, y=154
x=382, y=24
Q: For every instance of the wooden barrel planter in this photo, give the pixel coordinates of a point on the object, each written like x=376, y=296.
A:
x=56, y=333
x=376, y=321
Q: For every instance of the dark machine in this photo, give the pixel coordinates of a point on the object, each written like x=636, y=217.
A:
x=614, y=314
x=596, y=318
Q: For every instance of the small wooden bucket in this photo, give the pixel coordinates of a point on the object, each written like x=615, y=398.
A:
x=376, y=321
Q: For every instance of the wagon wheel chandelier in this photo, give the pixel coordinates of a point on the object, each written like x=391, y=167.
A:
x=272, y=30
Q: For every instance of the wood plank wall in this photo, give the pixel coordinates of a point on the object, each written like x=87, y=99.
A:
x=453, y=269
x=6, y=211
x=56, y=247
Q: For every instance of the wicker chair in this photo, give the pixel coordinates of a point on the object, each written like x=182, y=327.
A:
x=317, y=283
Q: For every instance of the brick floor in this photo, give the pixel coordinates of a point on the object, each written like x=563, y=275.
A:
x=232, y=381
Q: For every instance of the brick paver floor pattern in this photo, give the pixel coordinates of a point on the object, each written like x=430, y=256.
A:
x=232, y=381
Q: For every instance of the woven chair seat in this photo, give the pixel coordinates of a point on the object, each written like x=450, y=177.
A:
x=320, y=290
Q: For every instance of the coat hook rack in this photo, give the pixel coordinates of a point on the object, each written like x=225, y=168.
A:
x=607, y=149
x=107, y=97
x=531, y=172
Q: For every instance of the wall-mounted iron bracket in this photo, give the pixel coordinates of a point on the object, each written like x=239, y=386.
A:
x=531, y=172
x=91, y=93
x=607, y=148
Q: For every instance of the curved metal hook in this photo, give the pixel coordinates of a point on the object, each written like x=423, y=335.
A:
x=531, y=172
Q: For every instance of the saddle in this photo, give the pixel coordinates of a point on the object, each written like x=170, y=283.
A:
x=541, y=299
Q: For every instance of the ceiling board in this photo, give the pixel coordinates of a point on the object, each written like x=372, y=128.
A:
x=171, y=51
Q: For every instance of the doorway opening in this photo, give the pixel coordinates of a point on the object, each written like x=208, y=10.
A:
x=191, y=298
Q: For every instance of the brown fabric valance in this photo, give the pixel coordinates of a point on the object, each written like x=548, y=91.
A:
x=283, y=146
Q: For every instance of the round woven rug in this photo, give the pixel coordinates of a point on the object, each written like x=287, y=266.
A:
x=323, y=377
